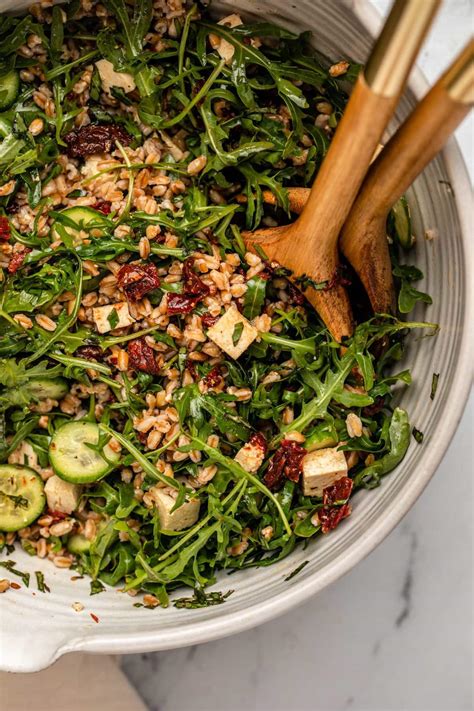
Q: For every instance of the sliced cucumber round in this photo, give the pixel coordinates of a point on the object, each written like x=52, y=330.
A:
x=75, y=219
x=73, y=460
x=22, y=497
x=9, y=89
x=78, y=544
x=42, y=388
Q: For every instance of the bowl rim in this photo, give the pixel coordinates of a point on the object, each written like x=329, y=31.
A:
x=233, y=622
x=208, y=630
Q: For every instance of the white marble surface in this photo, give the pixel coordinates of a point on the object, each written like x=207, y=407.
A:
x=396, y=632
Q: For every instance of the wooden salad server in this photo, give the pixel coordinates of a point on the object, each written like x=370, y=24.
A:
x=363, y=238
x=308, y=247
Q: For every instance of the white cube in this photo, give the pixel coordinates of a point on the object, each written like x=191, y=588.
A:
x=250, y=457
x=112, y=316
x=183, y=517
x=322, y=468
x=62, y=495
x=222, y=333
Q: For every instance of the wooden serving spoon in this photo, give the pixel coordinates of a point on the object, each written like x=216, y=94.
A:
x=308, y=247
x=363, y=238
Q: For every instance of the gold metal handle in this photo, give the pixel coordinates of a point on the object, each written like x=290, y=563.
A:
x=399, y=42
x=459, y=79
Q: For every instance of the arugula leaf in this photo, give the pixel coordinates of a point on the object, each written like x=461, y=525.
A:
x=408, y=296
x=254, y=298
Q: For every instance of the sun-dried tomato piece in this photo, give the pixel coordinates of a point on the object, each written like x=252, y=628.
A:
x=141, y=356
x=5, y=232
x=194, y=289
x=286, y=462
x=95, y=138
x=207, y=320
x=296, y=296
x=180, y=304
x=138, y=279
x=57, y=515
x=103, y=206
x=339, y=491
x=191, y=368
x=193, y=285
x=377, y=405
x=89, y=352
x=214, y=377
x=339, y=278
x=17, y=260
x=331, y=516
x=258, y=440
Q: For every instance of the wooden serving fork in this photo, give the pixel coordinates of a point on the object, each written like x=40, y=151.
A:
x=308, y=247
x=363, y=238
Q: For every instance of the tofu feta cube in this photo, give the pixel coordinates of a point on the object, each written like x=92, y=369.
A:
x=61, y=495
x=322, y=468
x=183, y=517
x=110, y=78
x=250, y=457
x=232, y=338
x=224, y=48
x=25, y=456
x=107, y=318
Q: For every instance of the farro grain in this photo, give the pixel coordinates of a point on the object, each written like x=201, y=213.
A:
x=7, y=188
x=150, y=600
x=144, y=247
x=61, y=561
x=42, y=548
x=36, y=126
x=61, y=528
x=295, y=436
x=23, y=320
x=45, y=322
x=353, y=425
x=267, y=532
x=90, y=529
x=197, y=165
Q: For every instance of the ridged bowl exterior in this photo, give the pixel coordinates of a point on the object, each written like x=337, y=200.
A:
x=37, y=629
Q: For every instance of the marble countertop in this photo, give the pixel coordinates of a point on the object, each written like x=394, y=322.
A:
x=394, y=633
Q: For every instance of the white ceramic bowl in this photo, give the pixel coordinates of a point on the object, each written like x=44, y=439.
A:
x=37, y=629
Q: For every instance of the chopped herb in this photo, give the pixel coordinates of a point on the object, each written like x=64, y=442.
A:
x=237, y=332
x=10, y=566
x=113, y=318
x=96, y=587
x=201, y=599
x=297, y=570
x=434, y=385
x=417, y=435
x=40, y=582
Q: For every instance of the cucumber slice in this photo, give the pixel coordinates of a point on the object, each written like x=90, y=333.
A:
x=78, y=544
x=400, y=223
x=73, y=460
x=42, y=389
x=22, y=497
x=78, y=218
x=9, y=89
x=322, y=436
